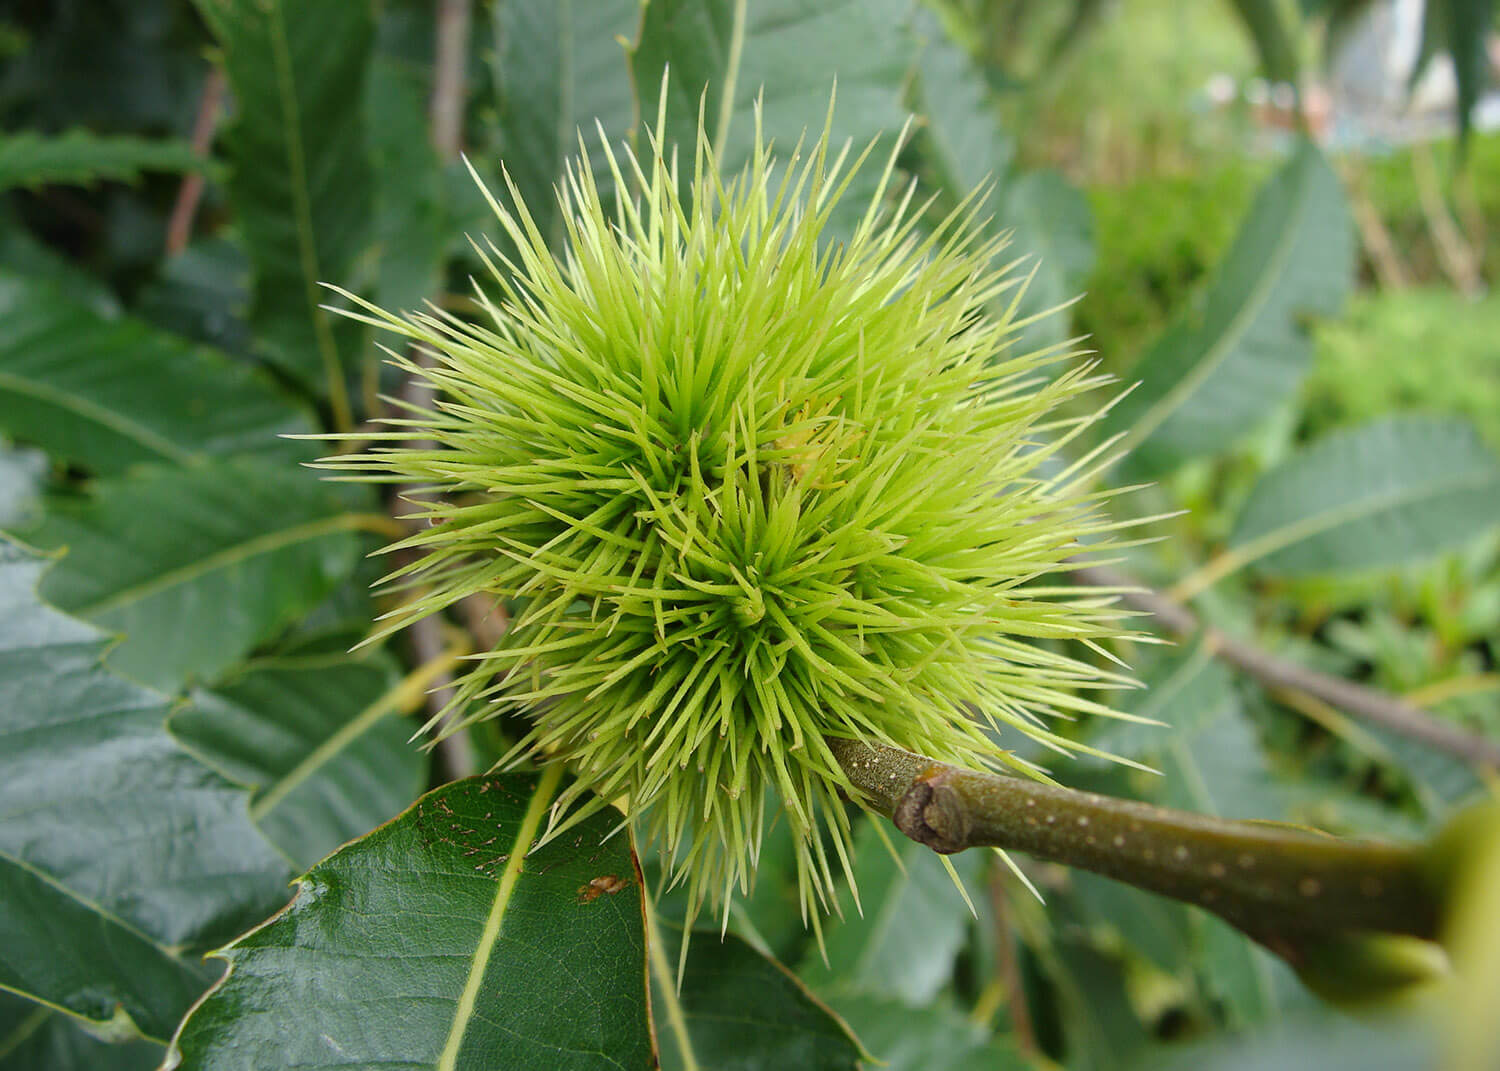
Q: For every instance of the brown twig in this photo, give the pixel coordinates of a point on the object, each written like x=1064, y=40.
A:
x=1376, y=238
x=450, y=67
x=455, y=749
x=180, y=225
x=1457, y=257
x=1369, y=704
x=1008, y=966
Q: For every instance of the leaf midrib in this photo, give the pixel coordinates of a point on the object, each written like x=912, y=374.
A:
x=1278, y=539
x=307, y=250
x=232, y=555
x=112, y=918
x=531, y=821
x=393, y=699
x=1159, y=413
x=90, y=410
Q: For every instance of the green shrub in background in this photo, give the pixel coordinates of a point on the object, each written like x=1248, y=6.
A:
x=1426, y=349
x=1157, y=237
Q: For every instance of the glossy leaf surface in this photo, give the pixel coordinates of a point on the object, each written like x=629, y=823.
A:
x=740, y=1011
x=117, y=848
x=301, y=179
x=437, y=942
x=195, y=566
x=108, y=393
x=1390, y=492
x=319, y=738
x=1223, y=367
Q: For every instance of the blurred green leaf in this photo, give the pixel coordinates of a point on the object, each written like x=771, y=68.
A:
x=24, y=257
x=1051, y=225
x=784, y=53
x=412, y=228
x=1222, y=368
x=1274, y=43
x=962, y=134
x=740, y=1011
x=319, y=739
x=429, y=943
x=106, y=394
x=904, y=938
x=1237, y=972
x=37, y=1038
x=1462, y=28
x=1389, y=492
x=81, y=158
x=923, y=1039
x=1049, y=219
x=1100, y=1030
x=730, y=53
x=23, y=471
x=1125, y=919
x=559, y=67
x=1321, y=1044
x=202, y=293
x=118, y=850
x=1183, y=690
x=301, y=181
x=196, y=566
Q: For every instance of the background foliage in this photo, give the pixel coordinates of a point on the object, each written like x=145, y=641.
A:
x=186, y=729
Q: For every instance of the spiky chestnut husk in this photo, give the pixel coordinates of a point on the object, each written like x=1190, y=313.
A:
x=753, y=488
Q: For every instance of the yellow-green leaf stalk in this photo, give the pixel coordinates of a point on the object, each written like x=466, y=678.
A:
x=754, y=488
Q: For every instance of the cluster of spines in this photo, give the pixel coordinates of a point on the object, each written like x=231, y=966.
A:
x=752, y=488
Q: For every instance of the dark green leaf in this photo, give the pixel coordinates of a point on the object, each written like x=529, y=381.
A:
x=560, y=67
x=438, y=942
x=109, y=393
x=202, y=293
x=80, y=158
x=789, y=50
x=1389, y=492
x=1101, y=1031
x=22, y=256
x=1273, y=39
x=117, y=849
x=301, y=181
x=37, y=1038
x=412, y=227
x=739, y=1011
x=1461, y=28
x=318, y=737
x=962, y=135
x=1049, y=219
x=196, y=566
x=1470, y=26
x=1218, y=371
x=914, y=922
